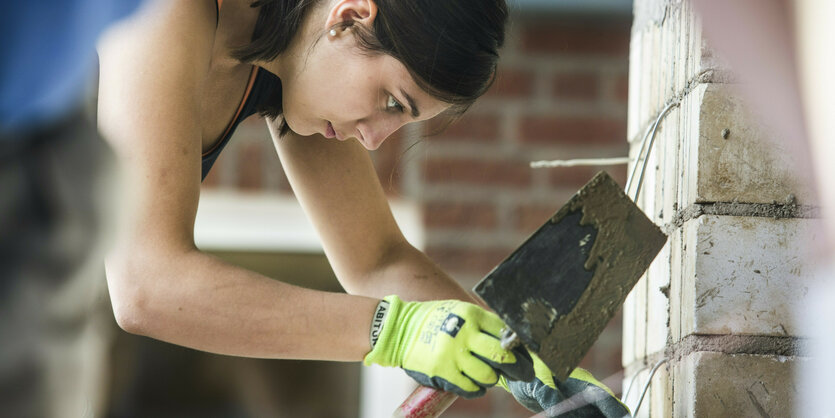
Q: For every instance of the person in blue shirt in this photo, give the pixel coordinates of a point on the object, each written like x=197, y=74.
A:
x=52, y=164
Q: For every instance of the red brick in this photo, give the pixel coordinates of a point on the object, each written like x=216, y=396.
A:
x=477, y=261
x=480, y=127
x=573, y=130
x=573, y=177
x=527, y=218
x=443, y=214
x=619, y=173
x=480, y=172
x=512, y=83
x=622, y=89
x=576, y=86
x=577, y=38
x=249, y=169
x=576, y=177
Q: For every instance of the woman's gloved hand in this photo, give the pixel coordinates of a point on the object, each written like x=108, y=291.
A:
x=449, y=345
x=581, y=395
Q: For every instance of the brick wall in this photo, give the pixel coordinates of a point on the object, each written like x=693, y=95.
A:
x=561, y=92
x=718, y=302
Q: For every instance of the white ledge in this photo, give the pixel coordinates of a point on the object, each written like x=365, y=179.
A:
x=235, y=221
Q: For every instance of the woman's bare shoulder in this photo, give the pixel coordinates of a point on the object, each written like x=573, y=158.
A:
x=161, y=26
x=157, y=59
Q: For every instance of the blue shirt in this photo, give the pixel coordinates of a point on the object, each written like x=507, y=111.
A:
x=48, y=58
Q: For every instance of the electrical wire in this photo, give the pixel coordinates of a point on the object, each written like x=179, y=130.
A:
x=631, y=383
x=638, y=158
x=646, y=146
x=650, y=134
x=647, y=385
x=581, y=162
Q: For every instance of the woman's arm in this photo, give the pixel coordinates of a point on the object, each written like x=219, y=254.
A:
x=341, y=193
x=152, y=70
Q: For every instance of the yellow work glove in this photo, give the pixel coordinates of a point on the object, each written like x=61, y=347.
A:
x=449, y=345
x=581, y=395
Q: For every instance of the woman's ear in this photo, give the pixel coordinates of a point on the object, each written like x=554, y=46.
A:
x=345, y=13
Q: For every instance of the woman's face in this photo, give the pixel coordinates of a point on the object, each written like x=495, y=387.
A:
x=339, y=91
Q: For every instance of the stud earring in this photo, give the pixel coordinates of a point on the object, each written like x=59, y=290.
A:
x=332, y=33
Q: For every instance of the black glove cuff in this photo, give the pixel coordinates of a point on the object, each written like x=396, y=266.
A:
x=377, y=321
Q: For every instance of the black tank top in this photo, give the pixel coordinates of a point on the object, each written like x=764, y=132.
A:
x=262, y=84
x=260, y=87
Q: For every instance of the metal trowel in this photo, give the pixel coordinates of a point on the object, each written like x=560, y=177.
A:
x=560, y=288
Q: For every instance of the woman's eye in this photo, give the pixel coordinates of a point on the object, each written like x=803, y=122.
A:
x=393, y=104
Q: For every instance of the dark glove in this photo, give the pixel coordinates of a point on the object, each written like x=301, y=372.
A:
x=581, y=395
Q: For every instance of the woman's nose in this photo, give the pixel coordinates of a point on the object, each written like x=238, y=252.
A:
x=374, y=134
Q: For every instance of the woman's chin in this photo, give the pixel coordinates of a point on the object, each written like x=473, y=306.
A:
x=299, y=128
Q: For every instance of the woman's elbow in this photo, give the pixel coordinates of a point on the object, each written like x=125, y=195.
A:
x=127, y=297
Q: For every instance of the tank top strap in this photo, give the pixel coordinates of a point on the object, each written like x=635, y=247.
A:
x=217, y=7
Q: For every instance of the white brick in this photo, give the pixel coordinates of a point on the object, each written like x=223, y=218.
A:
x=659, y=191
x=684, y=386
x=633, y=114
x=651, y=85
x=667, y=54
x=629, y=334
x=675, y=62
x=676, y=274
x=659, y=401
x=741, y=385
x=745, y=275
x=642, y=88
x=750, y=165
x=648, y=12
x=688, y=147
x=669, y=164
x=658, y=304
x=640, y=291
x=747, y=167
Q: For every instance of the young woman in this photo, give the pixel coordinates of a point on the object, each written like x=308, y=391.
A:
x=334, y=78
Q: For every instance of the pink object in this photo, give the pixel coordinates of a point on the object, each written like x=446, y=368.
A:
x=425, y=402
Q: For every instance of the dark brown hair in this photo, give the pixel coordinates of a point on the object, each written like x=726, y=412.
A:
x=450, y=47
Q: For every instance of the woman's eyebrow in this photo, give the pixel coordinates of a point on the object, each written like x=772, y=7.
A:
x=415, y=111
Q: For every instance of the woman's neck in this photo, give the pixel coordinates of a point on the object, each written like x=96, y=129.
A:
x=236, y=24
x=295, y=56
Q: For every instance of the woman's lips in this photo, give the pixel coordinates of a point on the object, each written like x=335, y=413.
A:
x=330, y=132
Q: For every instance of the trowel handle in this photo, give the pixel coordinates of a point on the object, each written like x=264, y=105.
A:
x=425, y=402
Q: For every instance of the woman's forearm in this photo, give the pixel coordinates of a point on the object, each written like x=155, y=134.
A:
x=407, y=272
x=198, y=301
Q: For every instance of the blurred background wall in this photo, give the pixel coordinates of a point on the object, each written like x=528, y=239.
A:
x=466, y=195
